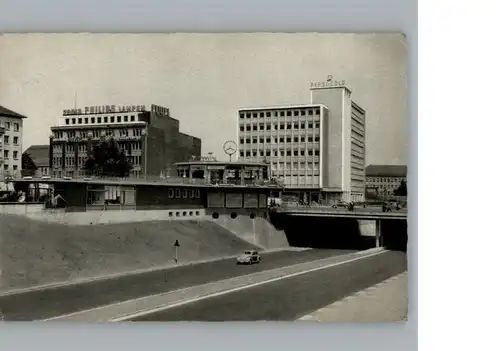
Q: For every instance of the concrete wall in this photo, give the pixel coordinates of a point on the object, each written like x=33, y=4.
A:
x=37, y=212
x=256, y=231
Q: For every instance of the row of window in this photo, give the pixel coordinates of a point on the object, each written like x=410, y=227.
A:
x=254, y=140
x=6, y=154
x=137, y=132
x=105, y=119
x=281, y=126
x=6, y=167
x=6, y=140
x=299, y=165
x=8, y=124
x=128, y=148
x=80, y=161
x=282, y=113
x=183, y=194
x=385, y=179
x=254, y=153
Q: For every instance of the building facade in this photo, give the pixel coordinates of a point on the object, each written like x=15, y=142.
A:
x=383, y=180
x=317, y=150
x=39, y=154
x=11, y=145
x=150, y=138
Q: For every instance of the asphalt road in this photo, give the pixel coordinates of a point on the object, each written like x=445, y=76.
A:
x=290, y=298
x=47, y=303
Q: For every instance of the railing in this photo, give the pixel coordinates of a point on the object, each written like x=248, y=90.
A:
x=315, y=208
x=149, y=179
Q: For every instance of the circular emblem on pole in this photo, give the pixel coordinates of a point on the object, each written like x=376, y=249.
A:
x=230, y=148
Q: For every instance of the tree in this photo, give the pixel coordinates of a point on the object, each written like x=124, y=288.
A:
x=27, y=165
x=401, y=190
x=107, y=159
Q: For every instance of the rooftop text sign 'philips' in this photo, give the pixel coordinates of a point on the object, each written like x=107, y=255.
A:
x=104, y=109
x=329, y=83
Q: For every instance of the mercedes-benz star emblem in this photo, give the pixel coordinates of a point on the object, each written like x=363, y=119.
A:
x=230, y=147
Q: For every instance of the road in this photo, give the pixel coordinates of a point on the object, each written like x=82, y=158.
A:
x=290, y=298
x=47, y=303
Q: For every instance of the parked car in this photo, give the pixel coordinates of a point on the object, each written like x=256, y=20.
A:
x=249, y=257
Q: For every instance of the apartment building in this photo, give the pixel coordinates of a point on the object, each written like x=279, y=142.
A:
x=11, y=132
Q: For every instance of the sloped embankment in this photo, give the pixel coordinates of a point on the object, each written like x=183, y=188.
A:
x=35, y=253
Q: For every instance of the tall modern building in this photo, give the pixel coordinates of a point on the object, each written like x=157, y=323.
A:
x=11, y=132
x=151, y=138
x=316, y=149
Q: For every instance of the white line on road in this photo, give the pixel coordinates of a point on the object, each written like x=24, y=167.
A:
x=181, y=303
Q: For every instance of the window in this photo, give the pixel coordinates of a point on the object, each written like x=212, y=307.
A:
x=262, y=114
x=316, y=139
x=14, y=155
x=268, y=114
x=112, y=119
x=268, y=152
x=254, y=115
x=268, y=140
x=268, y=127
x=6, y=139
x=282, y=113
x=288, y=152
x=73, y=121
x=302, y=139
x=242, y=141
x=302, y=152
x=316, y=152
x=302, y=125
x=248, y=153
x=105, y=119
x=302, y=112
x=282, y=140
x=317, y=111
x=288, y=140
x=242, y=115
x=254, y=153
x=282, y=126
x=125, y=118
x=310, y=152
x=14, y=167
x=296, y=139
x=242, y=129
x=118, y=119
x=16, y=140
x=261, y=140
x=295, y=153
x=67, y=120
x=79, y=121
x=5, y=153
x=132, y=118
x=184, y=192
x=295, y=113
x=242, y=153
x=288, y=113
x=288, y=126
x=249, y=115
x=261, y=127
x=92, y=120
x=86, y=120
x=310, y=112
x=317, y=124
x=310, y=126
x=309, y=139
x=99, y=120
x=248, y=140
x=249, y=128
x=7, y=125
x=16, y=127
x=261, y=152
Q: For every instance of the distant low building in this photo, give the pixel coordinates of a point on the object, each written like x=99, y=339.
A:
x=383, y=180
x=39, y=154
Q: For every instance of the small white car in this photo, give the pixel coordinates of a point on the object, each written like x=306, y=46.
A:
x=249, y=257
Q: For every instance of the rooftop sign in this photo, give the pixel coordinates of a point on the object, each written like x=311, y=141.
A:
x=329, y=83
x=104, y=109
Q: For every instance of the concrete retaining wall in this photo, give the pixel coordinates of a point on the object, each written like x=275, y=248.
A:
x=257, y=231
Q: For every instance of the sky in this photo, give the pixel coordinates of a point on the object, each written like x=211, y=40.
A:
x=204, y=78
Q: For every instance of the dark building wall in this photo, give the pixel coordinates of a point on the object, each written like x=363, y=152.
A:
x=166, y=145
x=75, y=195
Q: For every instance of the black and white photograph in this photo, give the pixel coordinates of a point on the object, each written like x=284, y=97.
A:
x=204, y=177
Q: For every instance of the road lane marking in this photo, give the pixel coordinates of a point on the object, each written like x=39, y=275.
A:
x=188, y=301
x=249, y=276
x=168, y=267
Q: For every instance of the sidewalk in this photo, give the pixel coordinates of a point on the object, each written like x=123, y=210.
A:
x=384, y=302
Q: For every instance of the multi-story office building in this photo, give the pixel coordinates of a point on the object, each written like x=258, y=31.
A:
x=11, y=145
x=383, y=180
x=317, y=149
x=150, y=138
